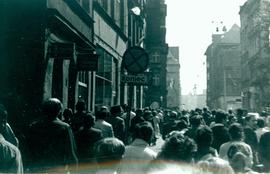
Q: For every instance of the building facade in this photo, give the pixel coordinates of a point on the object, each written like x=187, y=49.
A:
x=255, y=23
x=173, y=79
x=68, y=49
x=223, y=70
x=157, y=49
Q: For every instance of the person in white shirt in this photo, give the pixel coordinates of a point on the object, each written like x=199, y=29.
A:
x=236, y=133
x=138, y=154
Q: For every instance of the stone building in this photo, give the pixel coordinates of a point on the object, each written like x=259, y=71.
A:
x=173, y=78
x=223, y=70
x=157, y=49
x=69, y=49
x=255, y=20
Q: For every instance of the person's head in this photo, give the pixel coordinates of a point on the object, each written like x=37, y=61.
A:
x=116, y=110
x=144, y=131
x=204, y=136
x=109, y=150
x=260, y=122
x=236, y=131
x=139, y=112
x=264, y=149
x=251, y=121
x=81, y=105
x=232, y=119
x=147, y=115
x=3, y=117
x=195, y=120
x=181, y=124
x=52, y=108
x=239, y=157
x=89, y=120
x=67, y=113
x=178, y=148
x=220, y=117
x=102, y=114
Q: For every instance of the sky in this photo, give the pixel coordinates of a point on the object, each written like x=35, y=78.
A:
x=190, y=24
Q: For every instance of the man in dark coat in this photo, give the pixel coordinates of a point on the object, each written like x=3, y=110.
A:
x=220, y=131
x=51, y=140
x=117, y=122
x=86, y=138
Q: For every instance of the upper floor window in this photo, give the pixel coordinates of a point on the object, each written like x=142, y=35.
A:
x=155, y=57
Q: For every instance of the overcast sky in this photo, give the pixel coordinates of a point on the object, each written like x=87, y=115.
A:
x=190, y=24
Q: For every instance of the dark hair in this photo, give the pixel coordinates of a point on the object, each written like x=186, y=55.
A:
x=80, y=106
x=116, y=110
x=89, y=120
x=102, y=114
x=236, y=131
x=220, y=116
x=177, y=147
x=260, y=122
x=144, y=130
x=181, y=124
x=109, y=149
x=204, y=136
x=195, y=120
x=52, y=107
x=68, y=113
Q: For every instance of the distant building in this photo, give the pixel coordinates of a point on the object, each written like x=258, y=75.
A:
x=173, y=78
x=255, y=21
x=223, y=70
x=191, y=101
x=156, y=46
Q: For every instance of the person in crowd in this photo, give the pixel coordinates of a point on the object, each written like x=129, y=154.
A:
x=264, y=152
x=261, y=128
x=108, y=155
x=138, y=154
x=204, y=139
x=220, y=131
x=169, y=123
x=236, y=133
x=86, y=138
x=240, y=115
x=195, y=122
x=207, y=117
x=156, y=122
x=211, y=164
x=67, y=115
x=177, y=148
x=181, y=125
x=6, y=129
x=148, y=116
x=78, y=117
x=51, y=140
x=137, y=119
x=104, y=126
x=239, y=158
x=117, y=122
x=10, y=155
x=250, y=134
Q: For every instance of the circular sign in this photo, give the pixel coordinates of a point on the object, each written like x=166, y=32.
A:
x=135, y=60
x=154, y=105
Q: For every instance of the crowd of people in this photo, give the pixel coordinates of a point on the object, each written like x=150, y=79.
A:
x=118, y=140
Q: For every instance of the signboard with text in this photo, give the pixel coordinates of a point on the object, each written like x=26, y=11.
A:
x=138, y=79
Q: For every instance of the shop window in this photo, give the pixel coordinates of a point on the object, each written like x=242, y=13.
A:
x=82, y=85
